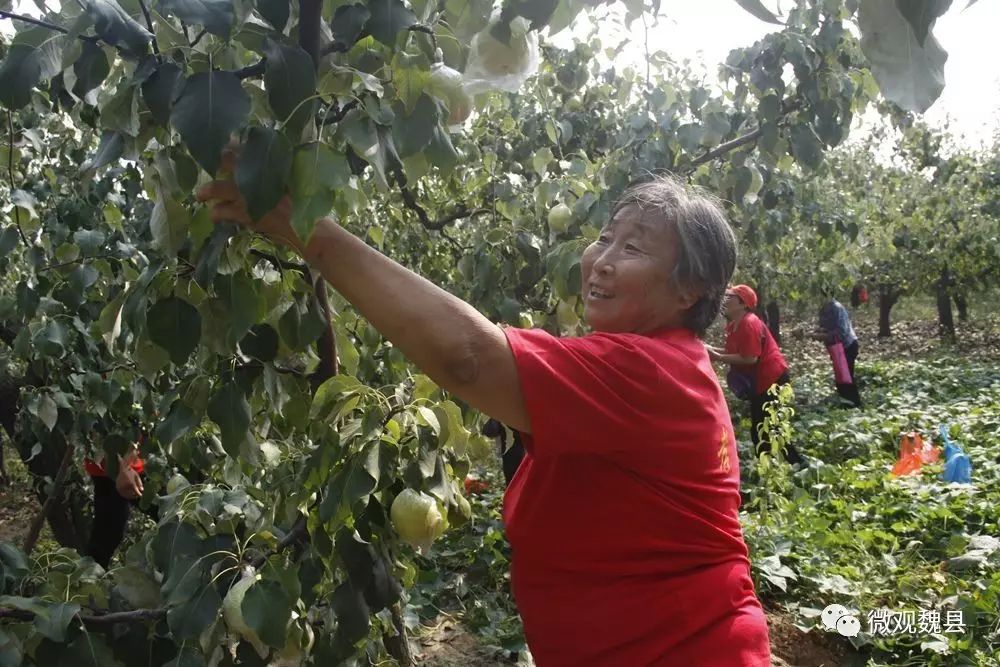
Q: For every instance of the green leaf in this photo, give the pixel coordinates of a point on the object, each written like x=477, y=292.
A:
x=352, y=484
x=175, y=325
x=138, y=588
x=299, y=330
x=467, y=17
x=47, y=411
x=267, y=608
x=51, y=339
x=9, y=239
x=216, y=15
x=909, y=73
x=332, y=391
x=757, y=8
x=122, y=111
x=230, y=410
x=158, y=91
x=19, y=73
x=353, y=614
x=187, y=657
x=806, y=146
x=169, y=223
x=348, y=23
x=317, y=172
x=56, y=621
x=111, y=147
x=290, y=78
x=921, y=14
x=410, y=77
x=29, y=61
x=441, y=152
x=91, y=68
x=275, y=12
x=415, y=132
x=187, y=621
x=261, y=343
x=209, y=108
x=240, y=295
x=360, y=132
x=10, y=650
x=263, y=169
x=114, y=25
x=388, y=17
x=89, y=240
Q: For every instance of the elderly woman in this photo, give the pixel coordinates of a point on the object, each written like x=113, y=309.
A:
x=623, y=516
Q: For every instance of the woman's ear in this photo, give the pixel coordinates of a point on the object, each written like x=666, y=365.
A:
x=688, y=297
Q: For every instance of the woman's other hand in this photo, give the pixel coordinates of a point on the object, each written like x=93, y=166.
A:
x=228, y=205
x=128, y=483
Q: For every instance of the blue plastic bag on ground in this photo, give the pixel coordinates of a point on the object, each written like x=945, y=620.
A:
x=957, y=466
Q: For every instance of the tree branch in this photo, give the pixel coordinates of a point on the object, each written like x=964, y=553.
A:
x=251, y=71
x=340, y=113
x=310, y=22
x=197, y=38
x=722, y=149
x=410, y=201
x=10, y=175
x=297, y=533
x=95, y=619
x=78, y=260
x=149, y=24
x=57, y=485
x=43, y=24
x=280, y=264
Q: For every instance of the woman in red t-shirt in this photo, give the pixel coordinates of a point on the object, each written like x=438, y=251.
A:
x=112, y=501
x=751, y=350
x=623, y=516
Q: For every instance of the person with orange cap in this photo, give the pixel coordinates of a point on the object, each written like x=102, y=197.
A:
x=755, y=360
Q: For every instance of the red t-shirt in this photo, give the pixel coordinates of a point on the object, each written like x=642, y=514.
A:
x=623, y=516
x=96, y=468
x=749, y=337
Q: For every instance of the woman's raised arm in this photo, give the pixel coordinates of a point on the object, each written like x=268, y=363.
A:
x=446, y=338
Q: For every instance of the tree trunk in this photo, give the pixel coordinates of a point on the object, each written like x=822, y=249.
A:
x=963, y=307
x=946, y=322
x=57, y=486
x=773, y=312
x=887, y=297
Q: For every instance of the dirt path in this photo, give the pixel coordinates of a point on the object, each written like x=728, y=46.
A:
x=449, y=644
x=18, y=507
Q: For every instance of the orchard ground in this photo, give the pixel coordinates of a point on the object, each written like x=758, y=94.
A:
x=838, y=531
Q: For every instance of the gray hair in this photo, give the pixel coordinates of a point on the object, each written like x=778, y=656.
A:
x=706, y=245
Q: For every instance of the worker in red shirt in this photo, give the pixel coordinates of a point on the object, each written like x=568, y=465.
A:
x=752, y=351
x=623, y=516
x=112, y=501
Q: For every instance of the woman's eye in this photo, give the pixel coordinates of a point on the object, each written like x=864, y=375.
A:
x=632, y=248
x=603, y=239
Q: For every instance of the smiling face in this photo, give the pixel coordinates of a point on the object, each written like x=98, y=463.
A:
x=626, y=273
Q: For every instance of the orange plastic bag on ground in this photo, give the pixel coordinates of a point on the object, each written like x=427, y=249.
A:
x=914, y=453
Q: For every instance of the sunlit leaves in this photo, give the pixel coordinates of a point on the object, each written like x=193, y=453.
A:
x=909, y=72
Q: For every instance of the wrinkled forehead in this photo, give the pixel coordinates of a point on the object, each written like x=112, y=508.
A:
x=644, y=220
